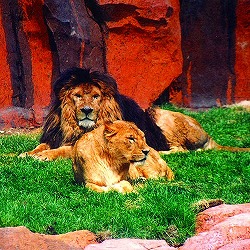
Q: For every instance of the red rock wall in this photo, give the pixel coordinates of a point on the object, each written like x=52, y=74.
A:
x=143, y=46
x=6, y=90
x=242, y=51
x=37, y=37
x=26, y=57
x=189, y=53
x=215, y=46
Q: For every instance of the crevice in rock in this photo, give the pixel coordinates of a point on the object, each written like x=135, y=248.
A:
x=98, y=16
x=150, y=22
x=18, y=52
x=117, y=12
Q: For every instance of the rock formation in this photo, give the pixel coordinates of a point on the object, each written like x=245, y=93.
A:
x=224, y=227
x=195, y=54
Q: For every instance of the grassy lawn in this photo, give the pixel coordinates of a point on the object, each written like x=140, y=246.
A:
x=43, y=196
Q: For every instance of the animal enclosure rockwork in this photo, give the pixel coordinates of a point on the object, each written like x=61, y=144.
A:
x=179, y=51
x=223, y=227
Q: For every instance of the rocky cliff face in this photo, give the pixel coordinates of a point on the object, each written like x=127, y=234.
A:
x=215, y=45
x=143, y=46
x=189, y=53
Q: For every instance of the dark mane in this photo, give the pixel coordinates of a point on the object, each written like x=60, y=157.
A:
x=144, y=120
x=75, y=76
x=131, y=111
x=52, y=132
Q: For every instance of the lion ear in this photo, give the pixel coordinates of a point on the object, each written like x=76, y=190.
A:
x=110, y=130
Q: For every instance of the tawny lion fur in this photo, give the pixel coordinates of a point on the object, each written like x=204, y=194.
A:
x=102, y=157
x=85, y=100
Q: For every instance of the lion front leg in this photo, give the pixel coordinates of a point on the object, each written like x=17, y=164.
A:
x=96, y=187
x=41, y=147
x=52, y=154
x=169, y=173
x=121, y=187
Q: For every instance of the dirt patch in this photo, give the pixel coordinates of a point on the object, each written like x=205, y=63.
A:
x=20, y=131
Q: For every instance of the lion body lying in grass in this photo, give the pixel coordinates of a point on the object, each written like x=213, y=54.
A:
x=102, y=157
x=83, y=101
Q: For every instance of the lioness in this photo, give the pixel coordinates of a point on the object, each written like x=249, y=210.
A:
x=102, y=157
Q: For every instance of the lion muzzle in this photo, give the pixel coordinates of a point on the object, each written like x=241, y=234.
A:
x=145, y=151
x=87, y=123
x=141, y=161
x=87, y=110
x=86, y=117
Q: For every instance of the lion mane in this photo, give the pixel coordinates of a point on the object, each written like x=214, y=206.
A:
x=61, y=126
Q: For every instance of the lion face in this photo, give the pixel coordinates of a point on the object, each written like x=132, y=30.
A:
x=85, y=106
x=127, y=141
x=87, y=100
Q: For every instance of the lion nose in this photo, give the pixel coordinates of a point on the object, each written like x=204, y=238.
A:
x=145, y=151
x=87, y=110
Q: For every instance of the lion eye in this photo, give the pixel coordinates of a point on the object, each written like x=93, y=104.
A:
x=78, y=95
x=131, y=139
x=96, y=96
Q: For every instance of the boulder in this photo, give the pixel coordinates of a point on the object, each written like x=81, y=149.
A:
x=23, y=239
x=224, y=227
x=214, y=215
x=130, y=244
x=28, y=55
x=191, y=54
x=227, y=232
x=216, y=54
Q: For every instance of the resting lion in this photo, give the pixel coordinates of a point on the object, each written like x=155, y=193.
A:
x=84, y=100
x=102, y=157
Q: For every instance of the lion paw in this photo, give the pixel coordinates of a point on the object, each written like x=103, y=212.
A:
x=38, y=156
x=170, y=174
x=43, y=156
x=122, y=187
x=23, y=155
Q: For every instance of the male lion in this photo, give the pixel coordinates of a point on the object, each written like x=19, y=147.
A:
x=102, y=157
x=82, y=101
x=85, y=100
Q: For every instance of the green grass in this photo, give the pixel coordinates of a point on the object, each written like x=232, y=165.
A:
x=44, y=197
